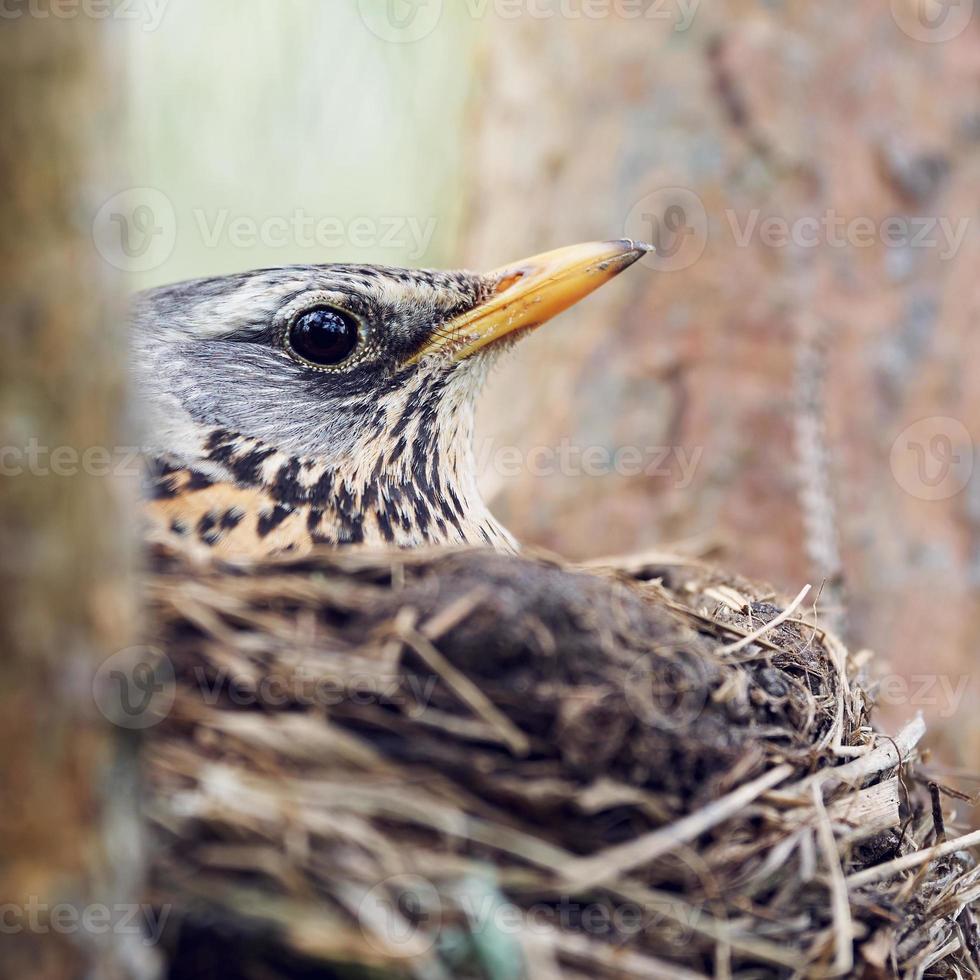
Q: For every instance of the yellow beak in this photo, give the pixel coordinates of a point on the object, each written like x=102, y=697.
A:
x=531, y=292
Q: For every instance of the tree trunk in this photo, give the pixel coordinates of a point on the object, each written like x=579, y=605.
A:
x=68, y=846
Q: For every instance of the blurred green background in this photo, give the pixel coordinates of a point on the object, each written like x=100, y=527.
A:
x=291, y=132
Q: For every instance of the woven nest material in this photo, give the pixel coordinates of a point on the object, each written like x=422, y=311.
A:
x=465, y=765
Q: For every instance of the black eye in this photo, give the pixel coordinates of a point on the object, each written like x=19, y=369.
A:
x=324, y=336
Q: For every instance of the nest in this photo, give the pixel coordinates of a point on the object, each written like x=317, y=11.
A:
x=467, y=765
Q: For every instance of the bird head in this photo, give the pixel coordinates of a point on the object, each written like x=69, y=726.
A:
x=363, y=378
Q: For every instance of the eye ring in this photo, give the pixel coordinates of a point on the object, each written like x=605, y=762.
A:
x=322, y=335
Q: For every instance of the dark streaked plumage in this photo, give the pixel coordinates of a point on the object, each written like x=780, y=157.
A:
x=258, y=446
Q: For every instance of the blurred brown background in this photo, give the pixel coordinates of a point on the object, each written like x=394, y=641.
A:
x=847, y=113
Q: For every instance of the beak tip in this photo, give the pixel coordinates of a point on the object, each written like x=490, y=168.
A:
x=629, y=245
x=621, y=253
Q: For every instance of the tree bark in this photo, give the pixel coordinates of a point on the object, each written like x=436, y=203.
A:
x=67, y=825
x=728, y=372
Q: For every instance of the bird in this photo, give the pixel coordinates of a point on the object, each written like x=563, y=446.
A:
x=308, y=405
